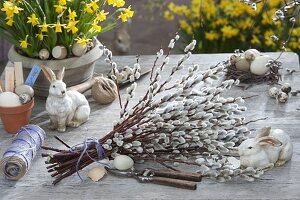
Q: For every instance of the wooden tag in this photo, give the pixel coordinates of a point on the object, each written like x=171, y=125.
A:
x=19, y=73
x=9, y=79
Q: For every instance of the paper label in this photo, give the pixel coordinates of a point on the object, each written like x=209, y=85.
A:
x=34, y=73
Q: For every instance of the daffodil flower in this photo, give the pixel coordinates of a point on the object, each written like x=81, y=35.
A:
x=59, y=8
x=123, y=17
x=119, y=3
x=72, y=14
x=129, y=12
x=33, y=20
x=23, y=43
x=82, y=41
x=62, y=2
x=94, y=5
x=72, y=26
x=44, y=27
x=116, y=3
x=101, y=16
x=96, y=27
x=10, y=22
x=40, y=36
x=57, y=27
x=88, y=9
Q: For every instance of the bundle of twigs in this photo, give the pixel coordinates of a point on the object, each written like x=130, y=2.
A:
x=176, y=121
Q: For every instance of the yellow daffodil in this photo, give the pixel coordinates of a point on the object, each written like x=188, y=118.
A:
x=101, y=16
x=33, y=20
x=119, y=3
x=110, y=2
x=72, y=14
x=82, y=41
x=23, y=43
x=40, y=36
x=44, y=27
x=89, y=9
x=211, y=36
x=229, y=31
x=168, y=15
x=129, y=12
x=123, y=17
x=63, y=2
x=72, y=26
x=10, y=9
x=116, y=3
x=96, y=27
x=59, y=8
x=10, y=22
x=57, y=27
x=94, y=5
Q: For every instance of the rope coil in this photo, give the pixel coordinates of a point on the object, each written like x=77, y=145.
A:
x=17, y=159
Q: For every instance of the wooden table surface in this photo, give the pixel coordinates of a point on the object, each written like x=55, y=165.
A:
x=279, y=183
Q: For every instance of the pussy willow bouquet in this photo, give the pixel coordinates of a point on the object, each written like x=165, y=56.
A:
x=183, y=121
x=226, y=25
x=31, y=25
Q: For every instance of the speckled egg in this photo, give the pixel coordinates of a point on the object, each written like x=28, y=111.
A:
x=273, y=92
x=282, y=97
x=286, y=88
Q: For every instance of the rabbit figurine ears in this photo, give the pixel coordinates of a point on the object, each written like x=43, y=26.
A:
x=50, y=75
x=263, y=137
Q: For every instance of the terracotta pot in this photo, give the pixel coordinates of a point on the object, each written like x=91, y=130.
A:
x=14, y=118
x=77, y=69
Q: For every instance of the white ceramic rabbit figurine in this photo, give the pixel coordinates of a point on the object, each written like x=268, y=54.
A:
x=65, y=108
x=269, y=147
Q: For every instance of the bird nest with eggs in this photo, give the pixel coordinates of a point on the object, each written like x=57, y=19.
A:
x=252, y=66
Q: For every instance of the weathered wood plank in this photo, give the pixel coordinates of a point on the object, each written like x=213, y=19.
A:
x=279, y=183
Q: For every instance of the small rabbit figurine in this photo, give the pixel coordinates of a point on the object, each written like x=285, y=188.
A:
x=269, y=147
x=65, y=108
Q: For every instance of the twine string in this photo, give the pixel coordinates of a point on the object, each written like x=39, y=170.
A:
x=17, y=159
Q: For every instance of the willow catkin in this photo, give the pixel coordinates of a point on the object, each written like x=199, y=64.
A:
x=17, y=159
x=104, y=91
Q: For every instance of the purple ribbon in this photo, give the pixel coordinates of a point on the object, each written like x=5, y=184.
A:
x=86, y=144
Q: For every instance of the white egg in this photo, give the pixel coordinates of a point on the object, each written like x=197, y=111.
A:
x=251, y=54
x=9, y=99
x=123, y=162
x=24, y=89
x=258, y=66
x=242, y=64
x=78, y=50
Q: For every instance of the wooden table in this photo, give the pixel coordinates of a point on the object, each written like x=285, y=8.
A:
x=279, y=183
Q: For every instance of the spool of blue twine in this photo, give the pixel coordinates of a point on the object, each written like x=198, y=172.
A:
x=17, y=159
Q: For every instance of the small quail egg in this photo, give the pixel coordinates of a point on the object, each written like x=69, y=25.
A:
x=273, y=92
x=282, y=97
x=286, y=88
